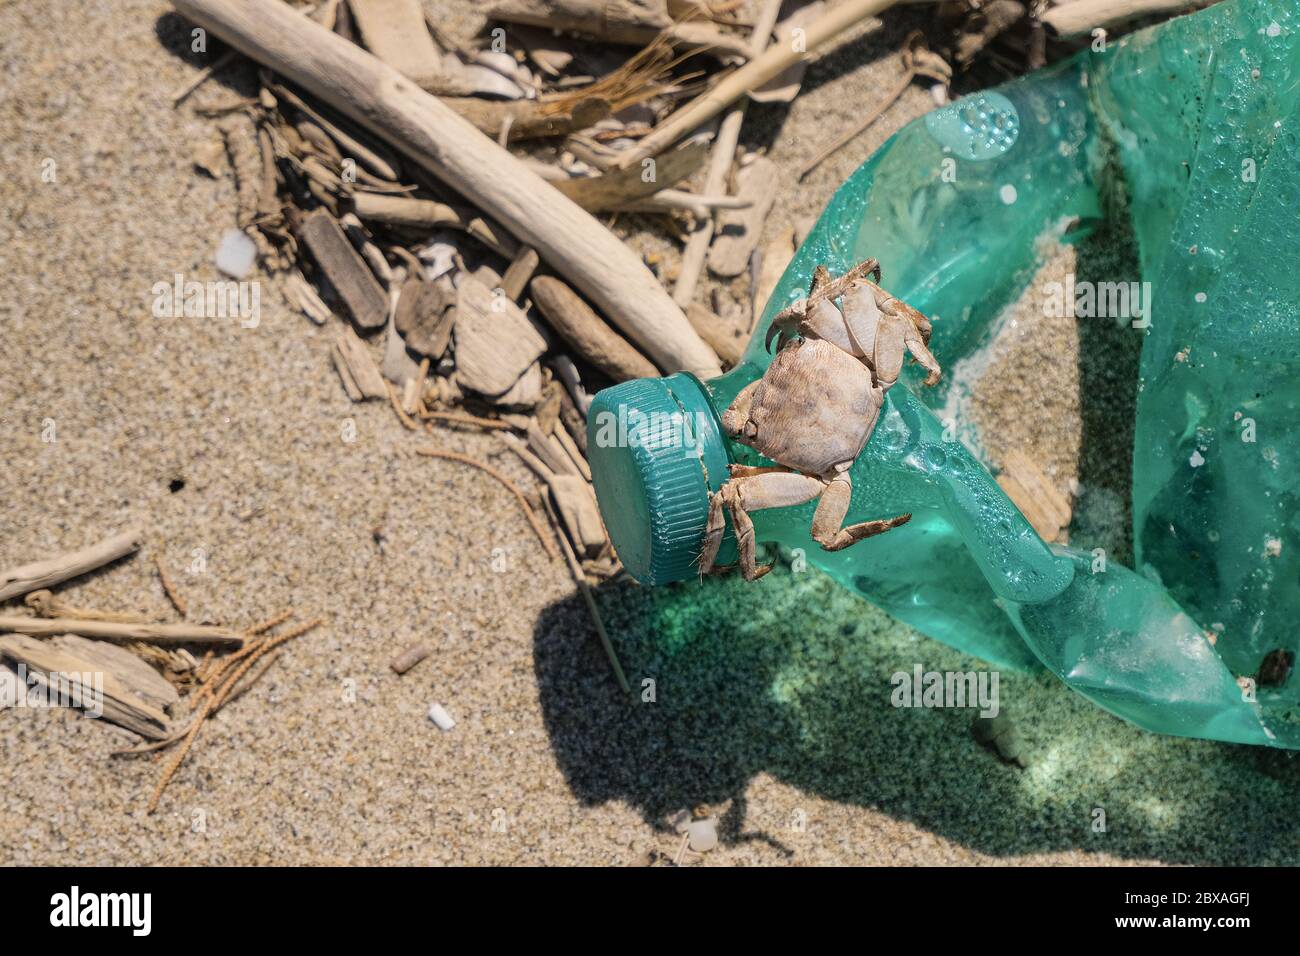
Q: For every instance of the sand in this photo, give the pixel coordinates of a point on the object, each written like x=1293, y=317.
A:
x=771, y=702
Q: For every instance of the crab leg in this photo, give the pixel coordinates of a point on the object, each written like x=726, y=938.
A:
x=832, y=508
x=896, y=336
x=778, y=488
x=737, y=413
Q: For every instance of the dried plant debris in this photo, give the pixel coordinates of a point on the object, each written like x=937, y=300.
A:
x=123, y=667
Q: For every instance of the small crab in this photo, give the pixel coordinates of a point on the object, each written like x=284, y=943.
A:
x=814, y=409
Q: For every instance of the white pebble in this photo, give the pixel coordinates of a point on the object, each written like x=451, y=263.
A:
x=703, y=835
x=236, y=254
x=438, y=714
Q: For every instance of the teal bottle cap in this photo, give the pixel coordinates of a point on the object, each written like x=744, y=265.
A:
x=656, y=450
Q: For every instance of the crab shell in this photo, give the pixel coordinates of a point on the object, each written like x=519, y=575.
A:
x=813, y=410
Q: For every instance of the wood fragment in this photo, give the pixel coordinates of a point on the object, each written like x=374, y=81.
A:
x=619, y=187
x=394, y=31
x=462, y=418
x=547, y=544
x=576, y=503
x=833, y=24
x=122, y=688
x=47, y=604
x=345, y=375
x=738, y=230
x=574, y=422
x=632, y=22
x=985, y=24
x=520, y=270
x=302, y=294
x=528, y=119
x=495, y=342
x=725, y=337
x=526, y=392
x=373, y=156
x=164, y=634
x=345, y=270
x=1081, y=17
x=571, y=449
x=553, y=455
x=720, y=162
x=1034, y=494
x=205, y=74
x=170, y=589
x=586, y=332
x=390, y=106
x=402, y=417
x=43, y=574
x=425, y=214
x=404, y=661
x=575, y=571
x=426, y=315
x=361, y=368
x=784, y=87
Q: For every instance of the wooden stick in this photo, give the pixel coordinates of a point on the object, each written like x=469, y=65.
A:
x=755, y=73
x=427, y=214
x=170, y=589
x=392, y=107
x=720, y=160
x=567, y=313
x=1083, y=16
x=45, y=604
x=463, y=418
x=220, y=63
x=42, y=574
x=119, y=633
x=575, y=571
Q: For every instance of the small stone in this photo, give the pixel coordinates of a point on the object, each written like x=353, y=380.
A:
x=702, y=835
x=439, y=715
x=236, y=254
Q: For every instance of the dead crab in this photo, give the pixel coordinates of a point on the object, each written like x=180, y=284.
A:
x=814, y=409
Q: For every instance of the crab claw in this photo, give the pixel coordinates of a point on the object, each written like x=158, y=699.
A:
x=786, y=321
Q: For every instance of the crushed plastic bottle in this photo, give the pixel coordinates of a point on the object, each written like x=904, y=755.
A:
x=1196, y=121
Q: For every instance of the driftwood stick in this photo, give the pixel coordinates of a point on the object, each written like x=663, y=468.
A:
x=715, y=182
x=582, y=328
x=414, y=213
x=575, y=571
x=43, y=574
x=119, y=633
x=826, y=28
x=45, y=604
x=392, y=107
x=1083, y=16
x=527, y=119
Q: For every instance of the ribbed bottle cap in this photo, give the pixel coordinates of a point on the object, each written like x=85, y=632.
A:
x=656, y=451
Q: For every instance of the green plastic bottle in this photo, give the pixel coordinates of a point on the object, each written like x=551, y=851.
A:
x=1165, y=114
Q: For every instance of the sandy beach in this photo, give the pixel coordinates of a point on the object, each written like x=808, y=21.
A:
x=262, y=487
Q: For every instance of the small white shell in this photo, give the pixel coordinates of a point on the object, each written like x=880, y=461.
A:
x=439, y=715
